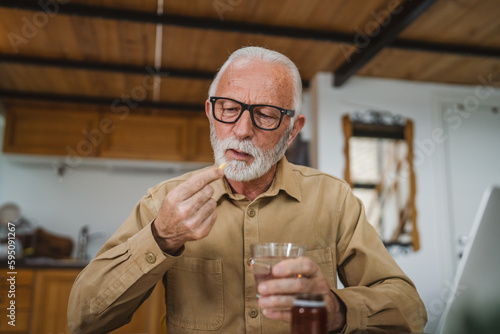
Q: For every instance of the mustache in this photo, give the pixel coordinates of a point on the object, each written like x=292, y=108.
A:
x=244, y=146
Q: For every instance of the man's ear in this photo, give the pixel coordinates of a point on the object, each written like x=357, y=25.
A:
x=297, y=126
x=207, y=109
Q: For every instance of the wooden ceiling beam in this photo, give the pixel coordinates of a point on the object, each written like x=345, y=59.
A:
x=385, y=34
x=110, y=67
x=454, y=49
x=110, y=101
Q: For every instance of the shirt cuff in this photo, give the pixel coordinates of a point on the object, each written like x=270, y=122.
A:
x=147, y=254
x=356, y=317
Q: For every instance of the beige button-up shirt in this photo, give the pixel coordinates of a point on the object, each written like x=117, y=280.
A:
x=209, y=285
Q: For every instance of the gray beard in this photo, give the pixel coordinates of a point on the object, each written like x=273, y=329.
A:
x=239, y=170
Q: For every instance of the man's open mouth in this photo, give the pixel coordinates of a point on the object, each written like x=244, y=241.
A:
x=239, y=153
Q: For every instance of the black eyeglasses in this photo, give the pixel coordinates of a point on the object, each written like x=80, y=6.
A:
x=264, y=116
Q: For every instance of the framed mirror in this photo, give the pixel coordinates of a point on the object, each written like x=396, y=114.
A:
x=379, y=168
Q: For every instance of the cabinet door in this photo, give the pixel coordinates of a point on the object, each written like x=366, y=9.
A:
x=51, y=294
x=146, y=137
x=50, y=131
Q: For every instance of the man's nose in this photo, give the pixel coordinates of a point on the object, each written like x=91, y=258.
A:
x=244, y=128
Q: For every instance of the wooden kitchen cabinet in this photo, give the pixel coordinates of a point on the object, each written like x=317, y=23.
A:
x=146, y=137
x=42, y=298
x=55, y=131
x=83, y=131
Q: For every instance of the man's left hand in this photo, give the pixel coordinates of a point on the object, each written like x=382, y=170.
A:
x=293, y=276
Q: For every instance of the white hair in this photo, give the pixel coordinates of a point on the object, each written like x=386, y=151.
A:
x=268, y=56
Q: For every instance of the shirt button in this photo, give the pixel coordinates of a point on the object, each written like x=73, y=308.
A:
x=251, y=213
x=253, y=313
x=150, y=257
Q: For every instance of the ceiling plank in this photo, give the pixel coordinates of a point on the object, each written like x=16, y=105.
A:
x=213, y=48
x=432, y=67
x=84, y=82
x=458, y=22
x=387, y=32
x=76, y=38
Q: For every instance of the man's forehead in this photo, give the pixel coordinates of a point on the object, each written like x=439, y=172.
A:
x=263, y=73
x=255, y=65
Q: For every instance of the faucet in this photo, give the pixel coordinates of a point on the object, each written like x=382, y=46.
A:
x=84, y=238
x=83, y=241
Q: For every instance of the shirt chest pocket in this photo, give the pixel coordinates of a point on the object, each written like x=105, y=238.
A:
x=324, y=258
x=194, y=294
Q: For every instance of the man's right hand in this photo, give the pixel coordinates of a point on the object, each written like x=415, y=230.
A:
x=188, y=212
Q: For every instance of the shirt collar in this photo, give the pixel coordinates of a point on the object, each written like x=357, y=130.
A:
x=284, y=179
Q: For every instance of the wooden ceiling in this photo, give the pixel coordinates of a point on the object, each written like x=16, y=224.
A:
x=100, y=51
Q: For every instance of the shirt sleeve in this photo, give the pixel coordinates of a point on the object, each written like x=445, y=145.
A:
x=122, y=275
x=378, y=296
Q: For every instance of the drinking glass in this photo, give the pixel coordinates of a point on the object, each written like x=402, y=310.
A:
x=266, y=255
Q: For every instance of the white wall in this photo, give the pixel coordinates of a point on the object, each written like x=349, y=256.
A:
x=432, y=267
x=472, y=147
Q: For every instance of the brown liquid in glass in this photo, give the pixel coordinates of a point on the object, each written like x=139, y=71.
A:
x=309, y=315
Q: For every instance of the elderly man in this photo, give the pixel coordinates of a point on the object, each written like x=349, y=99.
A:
x=194, y=232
